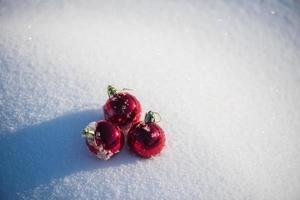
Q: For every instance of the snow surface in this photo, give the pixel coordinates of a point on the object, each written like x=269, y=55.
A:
x=225, y=77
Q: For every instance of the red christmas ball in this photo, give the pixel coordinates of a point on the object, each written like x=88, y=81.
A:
x=146, y=139
x=122, y=108
x=103, y=139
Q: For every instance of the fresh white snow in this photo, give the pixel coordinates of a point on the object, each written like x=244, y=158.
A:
x=224, y=76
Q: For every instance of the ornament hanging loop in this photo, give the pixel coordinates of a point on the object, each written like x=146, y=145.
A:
x=126, y=89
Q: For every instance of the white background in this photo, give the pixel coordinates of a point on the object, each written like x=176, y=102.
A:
x=225, y=77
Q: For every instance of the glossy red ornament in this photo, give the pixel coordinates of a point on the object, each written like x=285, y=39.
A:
x=146, y=139
x=103, y=139
x=122, y=108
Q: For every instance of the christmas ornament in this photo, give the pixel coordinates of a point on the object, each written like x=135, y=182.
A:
x=146, y=139
x=122, y=108
x=103, y=139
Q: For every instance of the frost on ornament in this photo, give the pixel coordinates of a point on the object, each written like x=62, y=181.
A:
x=104, y=154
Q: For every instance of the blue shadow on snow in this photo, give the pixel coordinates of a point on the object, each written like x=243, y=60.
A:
x=36, y=155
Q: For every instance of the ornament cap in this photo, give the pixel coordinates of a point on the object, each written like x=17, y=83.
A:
x=88, y=133
x=111, y=90
x=152, y=117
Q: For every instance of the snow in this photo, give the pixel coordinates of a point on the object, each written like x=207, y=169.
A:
x=224, y=76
